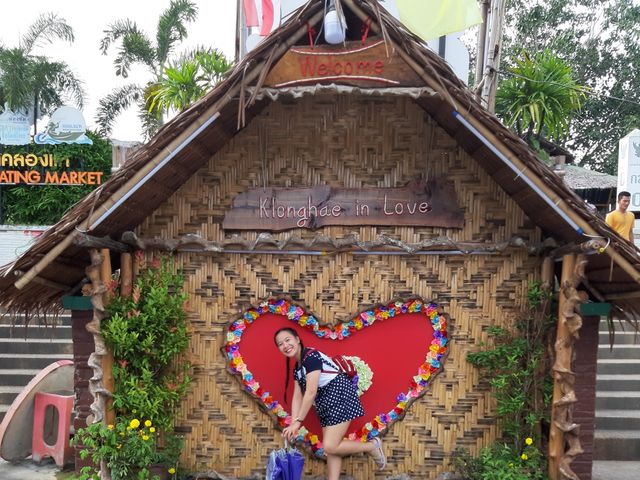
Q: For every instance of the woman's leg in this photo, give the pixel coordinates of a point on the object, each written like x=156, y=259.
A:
x=336, y=446
x=334, y=443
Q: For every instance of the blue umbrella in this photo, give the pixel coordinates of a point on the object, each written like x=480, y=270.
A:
x=285, y=464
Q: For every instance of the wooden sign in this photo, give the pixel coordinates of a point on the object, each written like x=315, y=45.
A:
x=358, y=64
x=431, y=203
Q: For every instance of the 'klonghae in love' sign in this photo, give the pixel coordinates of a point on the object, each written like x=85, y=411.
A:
x=421, y=203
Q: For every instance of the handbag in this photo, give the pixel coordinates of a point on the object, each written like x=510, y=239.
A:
x=285, y=464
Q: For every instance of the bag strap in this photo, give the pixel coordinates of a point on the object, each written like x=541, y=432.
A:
x=335, y=368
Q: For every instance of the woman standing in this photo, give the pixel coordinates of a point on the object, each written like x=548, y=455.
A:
x=319, y=382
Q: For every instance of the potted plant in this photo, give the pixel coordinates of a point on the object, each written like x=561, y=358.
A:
x=147, y=332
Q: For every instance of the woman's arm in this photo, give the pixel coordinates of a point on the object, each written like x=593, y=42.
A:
x=310, y=394
x=300, y=407
x=296, y=401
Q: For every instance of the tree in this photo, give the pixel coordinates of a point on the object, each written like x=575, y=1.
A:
x=137, y=48
x=539, y=97
x=185, y=81
x=33, y=82
x=599, y=40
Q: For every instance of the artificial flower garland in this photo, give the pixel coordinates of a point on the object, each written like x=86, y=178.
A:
x=364, y=376
x=379, y=424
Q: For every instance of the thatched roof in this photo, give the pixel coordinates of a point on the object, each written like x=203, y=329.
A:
x=578, y=178
x=183, y=146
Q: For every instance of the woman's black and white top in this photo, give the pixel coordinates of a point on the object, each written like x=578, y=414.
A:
x=337, y=399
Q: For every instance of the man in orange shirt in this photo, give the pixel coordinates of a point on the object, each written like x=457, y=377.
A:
x=620, y=220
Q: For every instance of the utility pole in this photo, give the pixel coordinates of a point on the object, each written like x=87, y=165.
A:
x=493, y=52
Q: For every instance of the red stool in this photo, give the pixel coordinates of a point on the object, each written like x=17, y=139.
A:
x=60, y=451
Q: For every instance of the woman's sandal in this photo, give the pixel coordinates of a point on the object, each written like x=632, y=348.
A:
x=378, y=454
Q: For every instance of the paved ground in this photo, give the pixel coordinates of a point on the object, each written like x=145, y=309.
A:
x=616, y=470
x=27, y=470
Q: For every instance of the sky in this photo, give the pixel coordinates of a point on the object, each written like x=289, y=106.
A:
x=214, y=27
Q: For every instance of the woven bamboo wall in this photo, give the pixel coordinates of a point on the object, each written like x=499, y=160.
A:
x=348, y=141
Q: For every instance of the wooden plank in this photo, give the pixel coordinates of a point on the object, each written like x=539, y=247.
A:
x=354, y=63
x=419, y=203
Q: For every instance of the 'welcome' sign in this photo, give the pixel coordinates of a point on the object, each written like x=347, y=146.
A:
x=358, y=64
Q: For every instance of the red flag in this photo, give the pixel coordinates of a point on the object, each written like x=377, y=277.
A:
x=267, y=17
x=250, y=13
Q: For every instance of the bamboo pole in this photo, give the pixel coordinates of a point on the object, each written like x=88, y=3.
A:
x=439, y=88
x=482, y=43
x=493, y=54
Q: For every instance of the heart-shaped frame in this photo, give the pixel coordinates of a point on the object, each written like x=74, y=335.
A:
x=432, y=364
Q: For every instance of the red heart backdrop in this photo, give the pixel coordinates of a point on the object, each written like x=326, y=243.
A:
x=403, y=343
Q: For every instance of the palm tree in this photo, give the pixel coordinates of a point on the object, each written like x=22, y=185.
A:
x=185, y=81
x=540, y=97
x=33, y=82
x=137, y=48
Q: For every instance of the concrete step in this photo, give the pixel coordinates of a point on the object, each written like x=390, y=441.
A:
x=17, y=376
x=621, y=445
x=3, y=410
x=620, y=338
x=618, y=366
x=36, y=345
x=621, y=351
x=8, y=394
x=50, y=320
x=618, y=420
x=29, y=361
x=35, y=331
x=608, y=383
x=604, y=470
x=617, y=401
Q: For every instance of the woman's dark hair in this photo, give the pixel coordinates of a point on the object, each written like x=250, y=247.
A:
x=287, y=364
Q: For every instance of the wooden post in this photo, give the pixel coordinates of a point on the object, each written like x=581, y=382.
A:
x=126, y=274
x=107, y=359
x=563, y=429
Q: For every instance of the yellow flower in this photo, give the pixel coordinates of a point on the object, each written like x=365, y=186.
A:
x=524, y=456
x=119, y=446
x=528, y=440
x=147, y=423
x=172, y=470
x=145, y=437
x=152, y=429
x=135, y=423
x=110, y=427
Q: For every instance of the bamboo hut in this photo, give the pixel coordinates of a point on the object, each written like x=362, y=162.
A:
x=462, y=214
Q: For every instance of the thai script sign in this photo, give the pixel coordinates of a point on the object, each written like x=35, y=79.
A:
x=356, y=64
x=14, y=128
x=13, y=172
x=629, y=168
x=421, y=203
